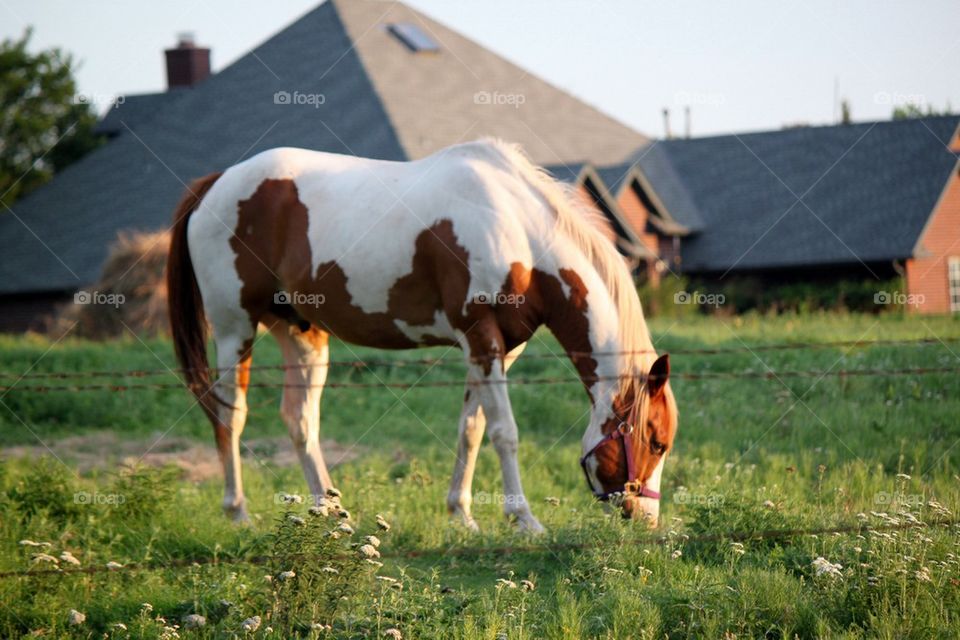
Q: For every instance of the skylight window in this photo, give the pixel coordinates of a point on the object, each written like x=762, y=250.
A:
x=413, y=37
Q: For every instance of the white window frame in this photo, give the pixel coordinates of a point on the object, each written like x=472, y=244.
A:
x=953, y=283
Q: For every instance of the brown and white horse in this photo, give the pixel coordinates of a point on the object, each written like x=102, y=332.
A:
x=472, y=246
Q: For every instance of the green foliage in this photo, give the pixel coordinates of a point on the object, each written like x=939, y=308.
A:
x=914, y=110
x=45, y=125
x=750, y=456
x=742, y=294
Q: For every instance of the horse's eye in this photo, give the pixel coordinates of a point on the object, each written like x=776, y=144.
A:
x=658, y=448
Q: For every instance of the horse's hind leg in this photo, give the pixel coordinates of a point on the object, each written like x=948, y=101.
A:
x=306, y=355
x=472, y=424
x=234, y=352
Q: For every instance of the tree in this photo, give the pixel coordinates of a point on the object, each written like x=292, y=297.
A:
x=914, y=110
x=44, y=123
x=845, y=115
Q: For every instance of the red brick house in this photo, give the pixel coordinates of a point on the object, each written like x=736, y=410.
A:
x=866, y=201
x=934, y=270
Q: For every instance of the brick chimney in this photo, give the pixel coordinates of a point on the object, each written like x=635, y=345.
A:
x=187, y=64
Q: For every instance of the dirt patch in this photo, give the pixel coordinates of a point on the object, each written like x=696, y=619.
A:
x=196, y=461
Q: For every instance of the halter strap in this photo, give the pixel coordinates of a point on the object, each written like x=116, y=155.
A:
x=632, y=485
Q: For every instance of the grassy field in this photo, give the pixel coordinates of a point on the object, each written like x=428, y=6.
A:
x=751, y=455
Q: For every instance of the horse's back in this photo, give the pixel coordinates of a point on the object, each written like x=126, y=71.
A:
x=394, y=249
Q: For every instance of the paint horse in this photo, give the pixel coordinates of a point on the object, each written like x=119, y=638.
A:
x=472, y=246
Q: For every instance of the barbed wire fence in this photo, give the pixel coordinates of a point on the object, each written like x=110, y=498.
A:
x=554, y=547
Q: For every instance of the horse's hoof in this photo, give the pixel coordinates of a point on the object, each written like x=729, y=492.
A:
x=467, y=522
x=530, y=525
x=237, y=514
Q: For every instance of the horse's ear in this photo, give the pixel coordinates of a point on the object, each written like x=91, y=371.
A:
x=659, y=374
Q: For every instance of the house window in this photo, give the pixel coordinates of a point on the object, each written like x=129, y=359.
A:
x=413, y=37
x=953, y=277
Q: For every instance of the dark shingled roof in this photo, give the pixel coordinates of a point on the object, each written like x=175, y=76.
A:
x=379, y=100
x=866, y=191
x=59, y=236
x=136, y=110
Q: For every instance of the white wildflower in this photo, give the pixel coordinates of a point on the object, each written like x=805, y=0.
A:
x=44, y=557
x=194, y=621
x=369, y=551
x=250, y=624
x=382, y=524
x=903, y=476
x=75, y=617
x=343, y=513
x=822, y=567
x=527, y=585
x=345, y=528
x=386, y=579
x=552, y=500
x=113, y=566
x=146, y=607
x=330, y=570
x=375, y=563
x=31, y=543
x=67, y=557
x=394, y=633
x=372, y=540
x=297, y=520
x=923, y=575
x=291, y=498
x=319, y=510
x=769, y=504
x=676, y=554
x=503, y=582
x=333, y=492
x=119, y=626
x=286, y=575
x=319, y=626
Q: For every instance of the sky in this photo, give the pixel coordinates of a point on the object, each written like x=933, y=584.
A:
x=739, y=66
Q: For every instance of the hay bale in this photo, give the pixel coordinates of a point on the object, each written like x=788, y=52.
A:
x=131, y=294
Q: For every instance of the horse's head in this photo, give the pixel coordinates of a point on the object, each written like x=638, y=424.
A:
x=625, y=465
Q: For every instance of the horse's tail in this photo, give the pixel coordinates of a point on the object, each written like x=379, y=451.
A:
x=188, y=323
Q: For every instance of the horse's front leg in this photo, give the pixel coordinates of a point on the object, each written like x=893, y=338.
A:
x=471, y=428
x=487, y=378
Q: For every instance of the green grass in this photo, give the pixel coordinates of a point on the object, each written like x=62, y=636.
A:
x=749, y=456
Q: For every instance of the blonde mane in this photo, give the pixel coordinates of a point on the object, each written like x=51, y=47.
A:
x=581, y=224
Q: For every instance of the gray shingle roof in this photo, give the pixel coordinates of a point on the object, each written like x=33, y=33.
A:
x=135, y=110
x=134, y=181
x=867, y=191
x=465, y=91
x=58, y=237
